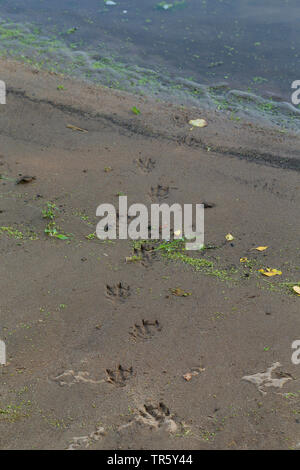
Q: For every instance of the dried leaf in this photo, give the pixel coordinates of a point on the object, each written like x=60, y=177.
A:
x=188, y=376
x=270, y=272
x=296, y=289
x=229, y=237
x=243, y=260
x=193, y=372
x=261, y=248
x=75, y=128
x=198, y=122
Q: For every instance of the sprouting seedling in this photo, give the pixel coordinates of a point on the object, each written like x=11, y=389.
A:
x=91, y=236
x=53, y=231
x=49, y=211
x=71, y=30
x=135, y=110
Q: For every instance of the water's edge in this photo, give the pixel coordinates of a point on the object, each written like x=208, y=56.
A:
x=28, y=44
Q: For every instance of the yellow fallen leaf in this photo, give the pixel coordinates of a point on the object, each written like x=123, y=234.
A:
x=198, y=122
x=270, y=272
x=229, y=237
x=296, y=289
x=243, y=260
x=261, y=248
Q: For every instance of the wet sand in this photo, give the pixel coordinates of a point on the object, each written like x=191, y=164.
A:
x=97, y=346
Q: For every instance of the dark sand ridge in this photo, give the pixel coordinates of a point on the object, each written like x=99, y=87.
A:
x=64, y=330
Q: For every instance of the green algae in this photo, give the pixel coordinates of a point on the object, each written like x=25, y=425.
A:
x=28, y=44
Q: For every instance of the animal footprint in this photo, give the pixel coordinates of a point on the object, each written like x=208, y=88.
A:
x=157, y=417
x=146, y=164
x=145, y=330
x=145, y=253
x=120, y=291
x=159, y=192
x=119, y=377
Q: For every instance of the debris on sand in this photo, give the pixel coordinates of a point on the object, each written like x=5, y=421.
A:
x=25, y=179
x=75, y=128
x=178, y=292
x=193, y=372
x=208, y=205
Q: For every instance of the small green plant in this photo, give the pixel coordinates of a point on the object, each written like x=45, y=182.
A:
x=11, y=232
x=172, y=245
x=71, y=30
x=49, y=211
x=135, y=110
x=133, y=259
x=91, y=236
x=53, y=231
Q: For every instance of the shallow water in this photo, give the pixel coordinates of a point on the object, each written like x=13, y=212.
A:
x=194, y=51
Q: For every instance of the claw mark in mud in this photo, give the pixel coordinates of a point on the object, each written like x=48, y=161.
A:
x=120, y=291
x=69, y=378
x=264, y=379
x=158, y=416
x=86, y=441
x=145, y=253
x=181, y=120
x=159, y=193
x=146, y=165
x=119, y=377
x=145, y=330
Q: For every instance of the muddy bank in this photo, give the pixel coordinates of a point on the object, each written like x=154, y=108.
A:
x=99, y=334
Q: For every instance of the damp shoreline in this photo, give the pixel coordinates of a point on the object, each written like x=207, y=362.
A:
x=26, y=44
